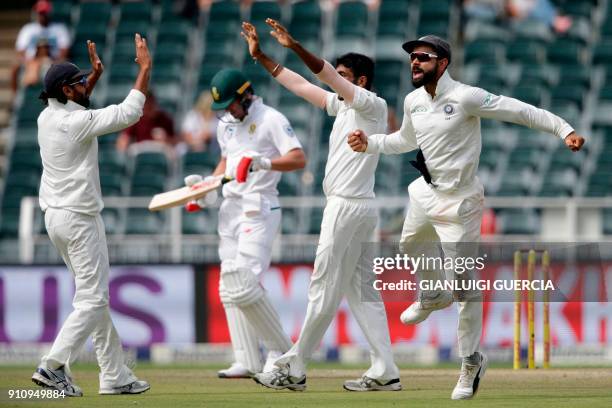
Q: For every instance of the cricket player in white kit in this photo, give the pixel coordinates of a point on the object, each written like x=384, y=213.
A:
x=250, y=215
x=342, y=267
x=442, y=119
x=71, y=199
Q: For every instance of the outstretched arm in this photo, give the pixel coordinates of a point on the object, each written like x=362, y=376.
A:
x=402, y=141
x=289, y=79
x=478, y=102
x=321, y=68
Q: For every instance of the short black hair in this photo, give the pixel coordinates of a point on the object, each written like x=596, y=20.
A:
x=360, y=64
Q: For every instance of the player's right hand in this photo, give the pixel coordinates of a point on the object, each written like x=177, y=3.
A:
x=143, y=58
x=280, y=33
x=96, y=64
x=250, y=35
x=208, y=199
x=358, y=141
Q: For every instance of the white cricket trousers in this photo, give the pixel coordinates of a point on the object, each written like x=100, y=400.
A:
x=449, y=224
x=81, y=241
x=341, y=268
x=247, y=228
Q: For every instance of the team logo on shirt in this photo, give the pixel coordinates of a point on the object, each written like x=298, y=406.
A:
x=252, y=128
x=448, y=109
x=289, y=130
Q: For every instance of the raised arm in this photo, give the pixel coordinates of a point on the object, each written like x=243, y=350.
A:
x=478, y=102
x=113, y=118
x=96, y=67
x=294, y=82
x=321, y=68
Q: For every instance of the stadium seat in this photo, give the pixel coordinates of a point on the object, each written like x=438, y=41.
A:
x=355, y=12
x=484, y=51
x=518, y=221
x=151, y=162
x=95, y=11
x=306, y=21
x=565, y=52
x=201, y=222
x=603, y=52
x=61, y=12
x=111, y=183
x=436, y=10
x=142, y=221
x=147, y=184
x=199, y=163
x=607, y=221
x=530, y=93
x=112, y=221
x=136, y=11
x=527, y=51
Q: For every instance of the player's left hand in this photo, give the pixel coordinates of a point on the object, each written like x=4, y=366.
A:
x=96, y=64
x=280, y=33
x=249, y=33
x=574, y=141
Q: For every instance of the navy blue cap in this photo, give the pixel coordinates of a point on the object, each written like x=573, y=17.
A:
x=61, y=74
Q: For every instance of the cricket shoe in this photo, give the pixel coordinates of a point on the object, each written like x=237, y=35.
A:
x=470, y=378
x=236, y=370
x=366, y=383
x=421, y=309
x=56, y=379
x=270, y=360
x=279, y=379
x=136, y=387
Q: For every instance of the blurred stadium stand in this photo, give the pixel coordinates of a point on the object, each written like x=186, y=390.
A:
x=570, y=75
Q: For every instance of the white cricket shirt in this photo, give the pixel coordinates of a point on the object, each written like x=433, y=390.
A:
x=447, y=129
x=69, y=150
x=347, y=173
x=265, y=131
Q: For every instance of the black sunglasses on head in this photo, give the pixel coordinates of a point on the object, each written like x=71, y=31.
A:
x=422, y=56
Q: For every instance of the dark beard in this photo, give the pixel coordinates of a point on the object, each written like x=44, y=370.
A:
x=83, y=100
x=427, y=78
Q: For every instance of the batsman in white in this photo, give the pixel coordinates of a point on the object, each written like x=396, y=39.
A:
x=342, y=266
x=71, y=199
x=250, y=215
x=442, y=119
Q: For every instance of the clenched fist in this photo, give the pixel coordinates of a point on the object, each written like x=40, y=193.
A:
x=574, y=141
x=358, y=140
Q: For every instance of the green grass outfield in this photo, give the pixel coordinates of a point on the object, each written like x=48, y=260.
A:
x=179, y=387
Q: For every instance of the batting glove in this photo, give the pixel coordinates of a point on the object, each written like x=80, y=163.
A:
x=209, y=199
x=260, y=163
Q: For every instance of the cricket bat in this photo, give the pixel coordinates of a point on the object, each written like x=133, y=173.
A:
x=185, y=194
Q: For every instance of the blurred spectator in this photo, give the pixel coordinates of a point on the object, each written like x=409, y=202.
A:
x=518, y=10
x=36, y=68
x=154, y=125
x=542, y=10
x=485, y=9
x=199, y=128
x=56, y=35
